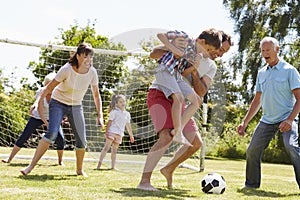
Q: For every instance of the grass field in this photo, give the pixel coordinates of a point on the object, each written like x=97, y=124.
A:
x=51, y=181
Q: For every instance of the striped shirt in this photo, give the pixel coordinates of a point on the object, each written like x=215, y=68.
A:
x=170, y=61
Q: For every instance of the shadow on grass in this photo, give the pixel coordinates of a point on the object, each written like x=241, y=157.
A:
x=263, y=193
x=163, y=193
x=47, y=177
x=26, y=164
x=17, y=164
x=184, y=173
x=103, y=169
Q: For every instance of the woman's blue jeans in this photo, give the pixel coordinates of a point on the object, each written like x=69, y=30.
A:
x=57, y=111
x=260, y=140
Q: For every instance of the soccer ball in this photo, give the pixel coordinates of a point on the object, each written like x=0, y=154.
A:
x=213, y=183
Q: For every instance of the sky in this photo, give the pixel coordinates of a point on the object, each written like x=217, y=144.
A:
x=39, y=21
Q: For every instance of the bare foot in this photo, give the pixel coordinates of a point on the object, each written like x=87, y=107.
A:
x=147, y=187
x=61, y=164
x=179, y=138
x=82, y=173
x=99, y=165
x=168, y=175
x=25, y=171
x=5, y=161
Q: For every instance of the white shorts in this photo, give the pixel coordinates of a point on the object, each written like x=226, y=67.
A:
x=170, y=84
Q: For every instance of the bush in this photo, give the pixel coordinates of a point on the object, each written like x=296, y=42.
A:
x=11, y=123
x=275, y=153
x=230, y=144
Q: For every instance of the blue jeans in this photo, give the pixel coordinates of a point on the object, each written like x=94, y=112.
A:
x=31, y=127
x=261, y=138
x=57, y=111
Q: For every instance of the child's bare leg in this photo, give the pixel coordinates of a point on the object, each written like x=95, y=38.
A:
x=176, y=116
x=14, y=151
x=188, y=113
x=104, y=151
x=60, y=154
x=114, y=150
x=176, y=113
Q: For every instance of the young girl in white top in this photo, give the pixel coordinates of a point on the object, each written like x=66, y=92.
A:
x=118, y=119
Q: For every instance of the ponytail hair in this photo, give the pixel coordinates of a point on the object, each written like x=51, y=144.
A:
x=114, y=100
x=85, y=48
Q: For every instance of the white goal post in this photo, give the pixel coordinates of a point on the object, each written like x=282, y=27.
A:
x=134, y=88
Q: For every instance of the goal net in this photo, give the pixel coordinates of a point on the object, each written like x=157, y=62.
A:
x=119, y=72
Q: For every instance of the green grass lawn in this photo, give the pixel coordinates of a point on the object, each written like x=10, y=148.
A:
x=51, y=181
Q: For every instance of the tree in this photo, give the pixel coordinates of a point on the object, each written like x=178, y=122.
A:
x=110, y=68
x=140, y=79
x=256, y=19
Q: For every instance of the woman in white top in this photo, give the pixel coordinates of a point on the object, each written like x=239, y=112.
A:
x=118, y=119
x=69, y=87
x=35, y=122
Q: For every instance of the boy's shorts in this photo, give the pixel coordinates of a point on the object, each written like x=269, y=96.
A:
x=160, y=111
x=170, y=84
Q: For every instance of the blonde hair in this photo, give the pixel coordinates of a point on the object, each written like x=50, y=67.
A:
x=49, y=78
x=114, y=100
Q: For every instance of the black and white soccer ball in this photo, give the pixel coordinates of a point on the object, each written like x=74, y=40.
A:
x=213, y=183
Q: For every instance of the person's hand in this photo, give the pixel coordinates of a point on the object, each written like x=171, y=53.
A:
x=203, y=51
x=241, y=129
x=31, y=109
x=286, y=125
x=131, y=139
x=180, y=43
x=196, y=61
x=45, y=122
x=99, y=122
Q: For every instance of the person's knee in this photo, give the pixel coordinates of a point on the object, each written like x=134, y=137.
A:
x=164, y=136
x=194, y=139
x=80, y=144
x=195, y=100
x=250, y=152
x=197, y=143
x=199, y=100
x=60, y=144
x=50, y=137
x=115, y=145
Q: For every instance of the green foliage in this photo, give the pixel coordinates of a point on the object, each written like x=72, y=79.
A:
x=1, y=82
x=230, y=144
x=110, y=68
x=13, y=119
x=275, y=152
x=256, y=19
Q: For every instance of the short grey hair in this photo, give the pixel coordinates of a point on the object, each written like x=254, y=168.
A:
x=274, y=41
